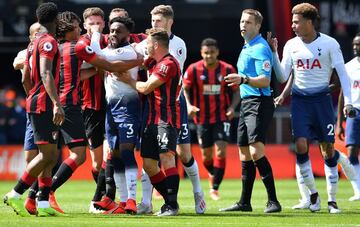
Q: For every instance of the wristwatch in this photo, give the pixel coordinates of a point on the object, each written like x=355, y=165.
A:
x=246, y=79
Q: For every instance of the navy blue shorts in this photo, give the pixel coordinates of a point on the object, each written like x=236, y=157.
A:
x=29, y=143
x=352, y=134
x=122, y=122
x=313, y=117
x=184, y=134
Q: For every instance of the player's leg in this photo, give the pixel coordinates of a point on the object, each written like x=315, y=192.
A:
x=183, y=149
x=352, y=139
x=74, y=136
x=301, y=121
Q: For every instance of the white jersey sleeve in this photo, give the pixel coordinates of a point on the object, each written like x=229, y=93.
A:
x=353, y=70
x=177, y=48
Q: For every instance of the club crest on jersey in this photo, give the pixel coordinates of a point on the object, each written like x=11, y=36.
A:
x=202, y=77
x=48, y=46
x=55, y=135
x=89, y=50
x=220, y=77
x=266, y=66
x=163, y=69
x=180, y=51
x=120, y=51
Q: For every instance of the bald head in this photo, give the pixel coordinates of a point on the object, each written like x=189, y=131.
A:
x=35, y=28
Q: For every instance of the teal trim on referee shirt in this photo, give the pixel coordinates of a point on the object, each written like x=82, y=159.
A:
x=255, y=59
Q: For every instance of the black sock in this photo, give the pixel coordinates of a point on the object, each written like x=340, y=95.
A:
x=33, y=190
x=109, y=180
x=44, y=188
x=100, y=186
x=219, y=171
x=63, y=174
x=209, y=165
x=159, y=183
x=172, y=182
x=24, y=183
x=248, y=178
x=95, y=174
x=265, y=171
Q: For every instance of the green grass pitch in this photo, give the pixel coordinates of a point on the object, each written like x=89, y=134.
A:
x=74, y=197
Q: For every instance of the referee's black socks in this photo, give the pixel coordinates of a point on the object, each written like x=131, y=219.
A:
x=248, y=178
x=266, y=174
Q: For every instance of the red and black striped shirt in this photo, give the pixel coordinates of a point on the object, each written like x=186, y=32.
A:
x=208, y=91
x=163, y=101
x=44, y=46
x=72, y=55
x=92, y=92
x=137, y=38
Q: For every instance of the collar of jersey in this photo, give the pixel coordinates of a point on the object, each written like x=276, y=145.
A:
x=254, y=40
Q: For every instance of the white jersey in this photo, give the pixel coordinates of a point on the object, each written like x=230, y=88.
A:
x=312, y=63
x=353, y=70
x=114, y=88
x=177, y=48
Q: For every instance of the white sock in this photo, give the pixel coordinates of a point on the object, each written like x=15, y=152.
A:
x=304, y=192
x=123, y=192
x=193, y=174
x=332, y=179
x=14, y=194
x=356, y=182
x=308, y=176
x=43, y=204
x=146, y=188
x=131, y=182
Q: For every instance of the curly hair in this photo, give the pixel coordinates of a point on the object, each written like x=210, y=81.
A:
x=46, y=12
x=65, y=20
x=127, y=21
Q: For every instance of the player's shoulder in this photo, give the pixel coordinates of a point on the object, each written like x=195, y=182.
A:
x=352, y=63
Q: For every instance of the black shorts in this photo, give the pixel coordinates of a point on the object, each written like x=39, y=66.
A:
x=208, y=134
x=45, y=132
x=94, y=121
x=256, y=114
x=73, y=130
x=158, y=139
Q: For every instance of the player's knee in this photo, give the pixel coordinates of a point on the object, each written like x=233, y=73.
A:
x=167, y=159
x=301, y=146
x=327, y=150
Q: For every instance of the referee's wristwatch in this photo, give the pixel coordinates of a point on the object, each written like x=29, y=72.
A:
x=246, y=79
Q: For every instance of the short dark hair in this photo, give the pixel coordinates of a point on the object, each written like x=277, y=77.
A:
x=308, y=11
x=127, y=21
x=65, y=20
x=209, y=42
x=46, y=12
x=160, y=35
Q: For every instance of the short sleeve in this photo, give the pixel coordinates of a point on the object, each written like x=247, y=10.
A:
x=188, y=77
x=48, y=47
x=164, y=71
x=263, y=62
x=84, y=52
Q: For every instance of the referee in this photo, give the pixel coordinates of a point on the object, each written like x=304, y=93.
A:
x=257, y=107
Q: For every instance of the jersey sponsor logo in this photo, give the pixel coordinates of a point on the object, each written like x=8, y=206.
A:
x=163, y=69
x=48, y=47
x=308, y=63
x=89, y=50
x=356, y=84
x=210, y=89
x=180, y=51
x=266, y=66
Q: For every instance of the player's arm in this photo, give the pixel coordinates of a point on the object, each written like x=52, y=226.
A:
x=87, y=73
x=148, y=86
x=235, y=100
x=25, y=79
x=49, y=85
x=341, y=117
x=260, y=81
x=282, y=69
x=192, y=110
x=278, y=101
x=19, y=61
